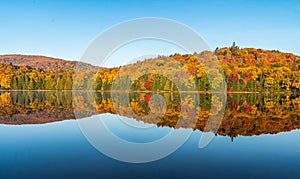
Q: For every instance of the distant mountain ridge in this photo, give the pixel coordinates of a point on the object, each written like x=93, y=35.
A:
x=45, y=63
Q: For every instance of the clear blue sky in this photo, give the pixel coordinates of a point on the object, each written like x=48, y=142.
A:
x=65, y=28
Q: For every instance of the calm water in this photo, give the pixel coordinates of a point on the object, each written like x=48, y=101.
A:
x=258, y=136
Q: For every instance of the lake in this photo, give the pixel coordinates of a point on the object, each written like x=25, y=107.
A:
x=53, y=134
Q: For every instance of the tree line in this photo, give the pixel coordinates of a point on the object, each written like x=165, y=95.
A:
x=246, y=69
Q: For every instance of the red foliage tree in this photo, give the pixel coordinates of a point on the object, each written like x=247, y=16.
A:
x=147, y=84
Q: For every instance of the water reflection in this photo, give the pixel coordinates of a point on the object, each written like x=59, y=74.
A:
x=245, y=114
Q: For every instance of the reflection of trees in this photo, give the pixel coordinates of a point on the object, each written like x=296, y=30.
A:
x=245, y=114
x=35, y=107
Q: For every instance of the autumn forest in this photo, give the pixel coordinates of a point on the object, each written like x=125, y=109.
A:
x=244, y=69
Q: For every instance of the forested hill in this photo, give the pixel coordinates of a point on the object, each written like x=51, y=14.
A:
x=245, y=69
x=43, y=62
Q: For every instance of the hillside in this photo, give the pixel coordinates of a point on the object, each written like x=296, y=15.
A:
x=244, y=69
x=45, y=63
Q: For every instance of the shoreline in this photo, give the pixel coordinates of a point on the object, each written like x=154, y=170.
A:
x=158, y=91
